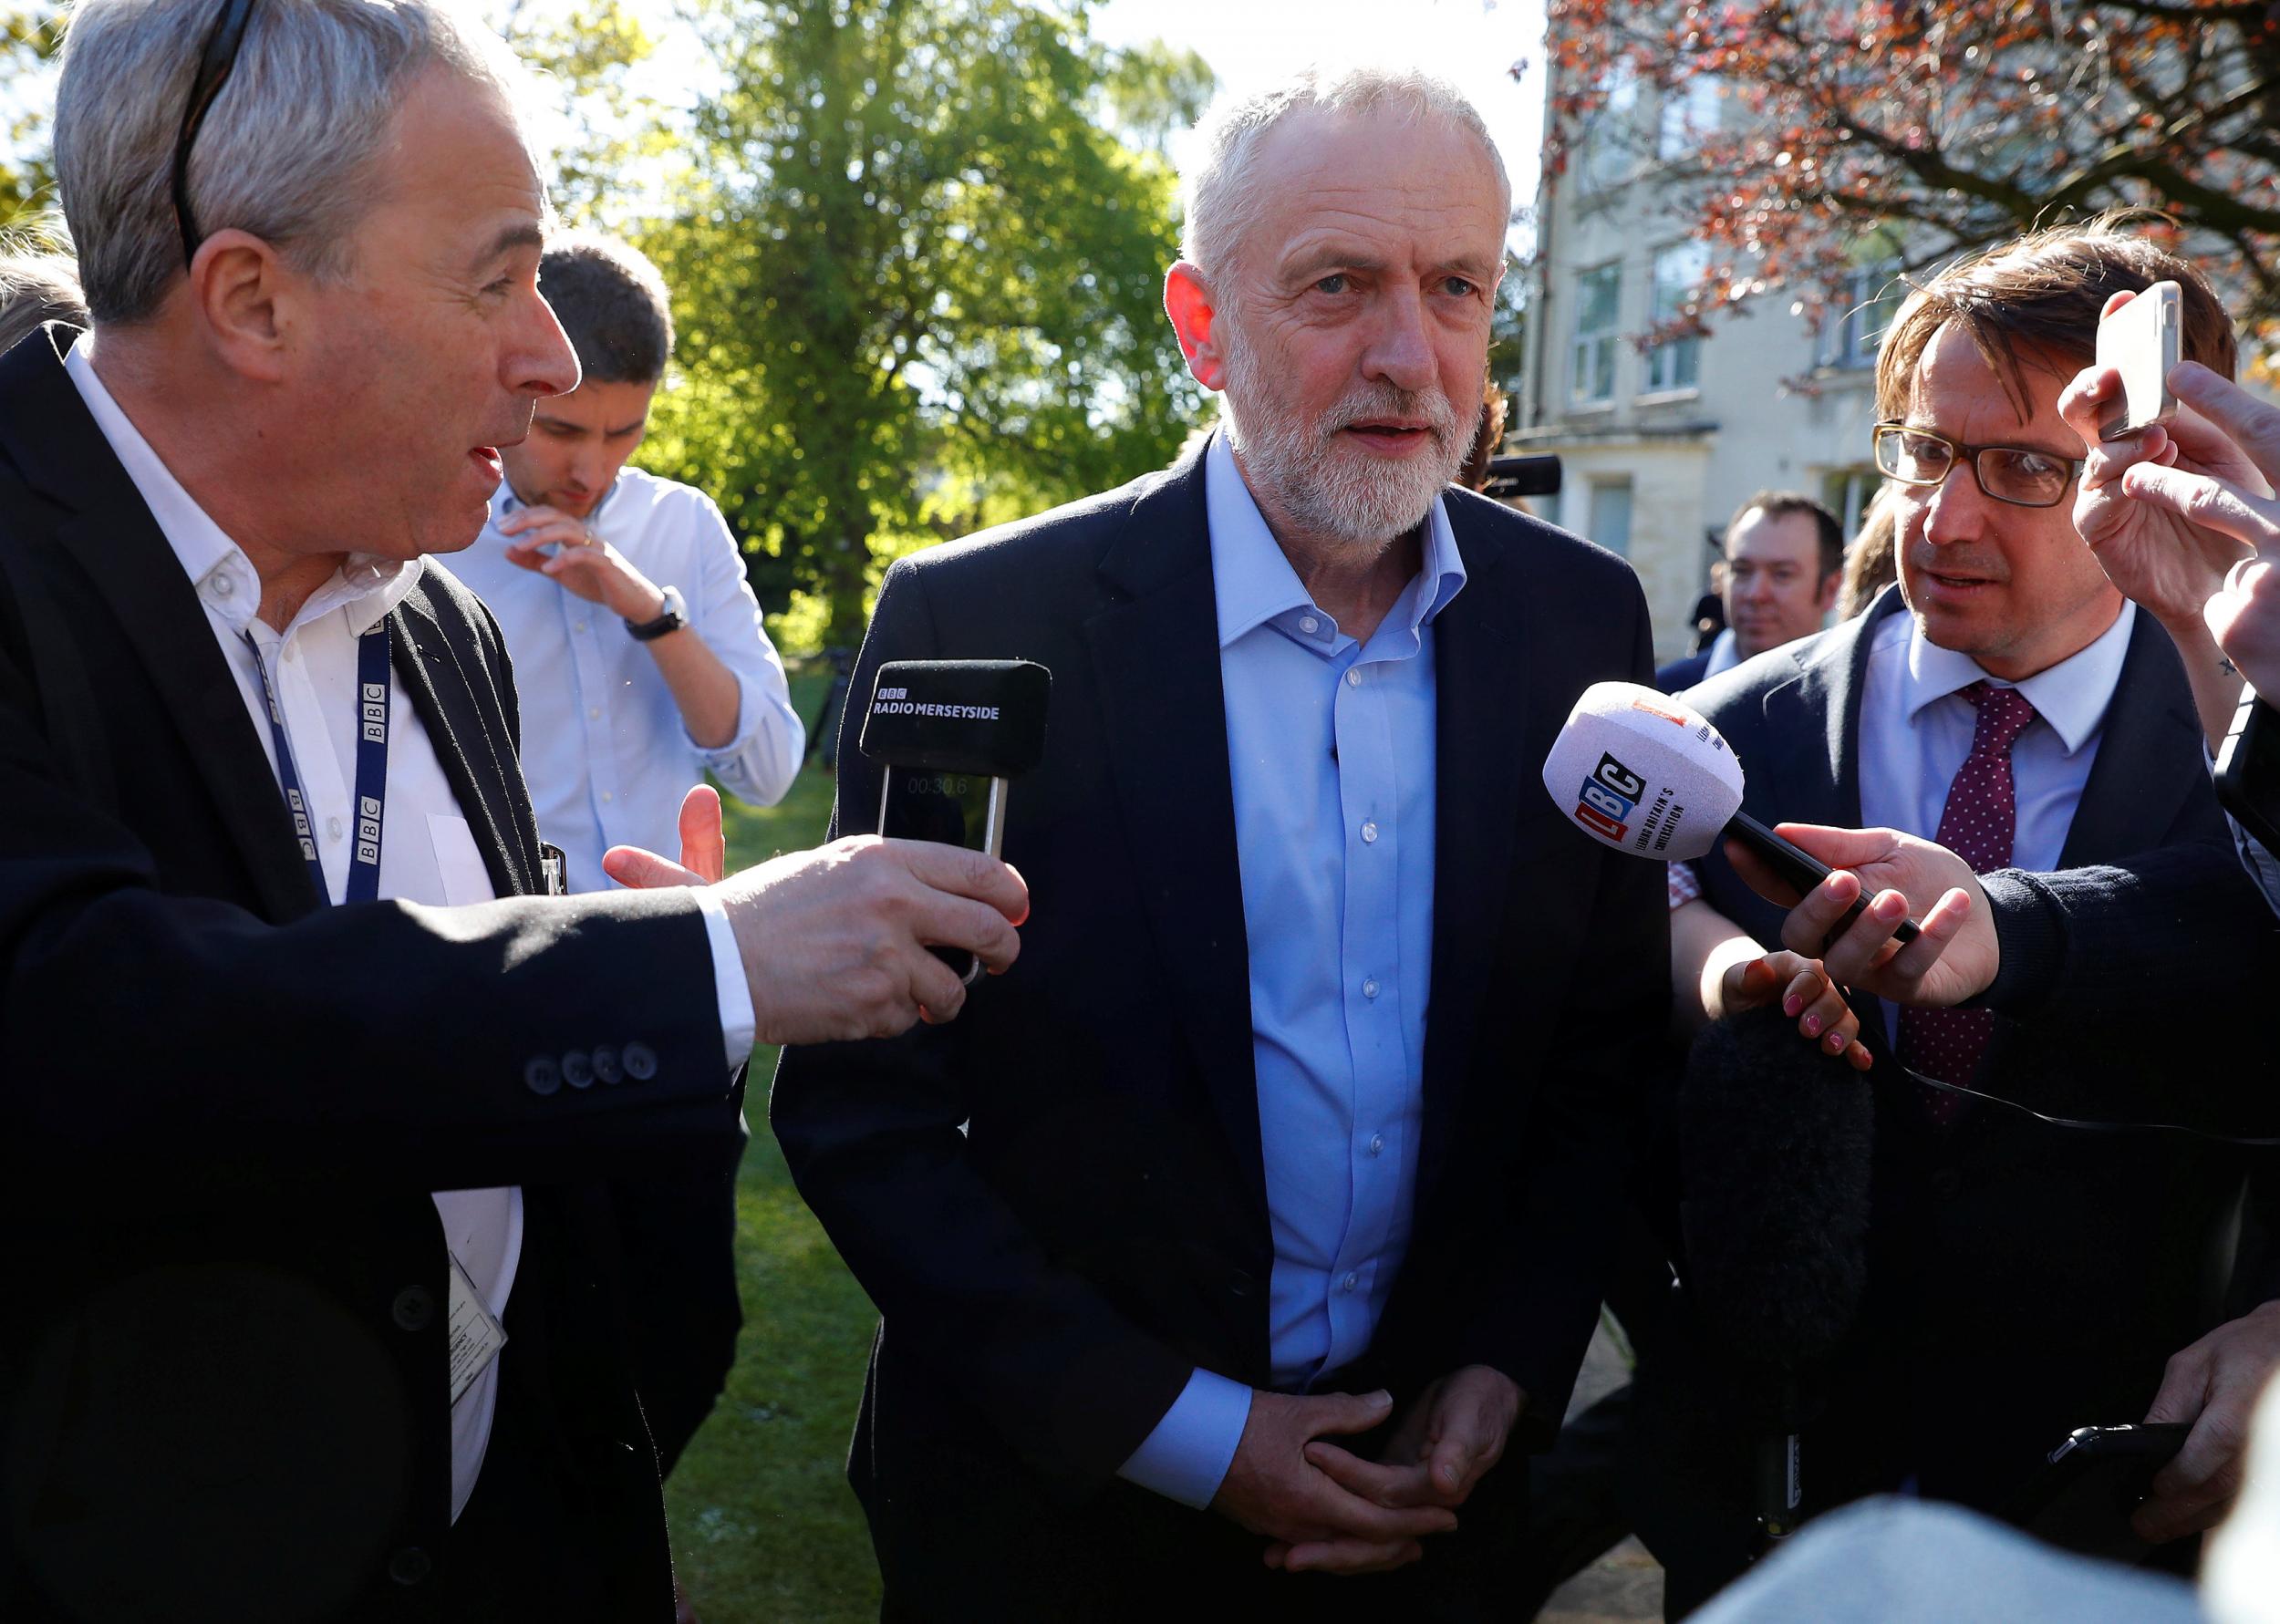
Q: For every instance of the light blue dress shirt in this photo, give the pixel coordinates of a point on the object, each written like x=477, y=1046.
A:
x=604, y=750
x=1330, y=748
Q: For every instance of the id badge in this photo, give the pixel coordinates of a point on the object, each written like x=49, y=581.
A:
x=476, y=1334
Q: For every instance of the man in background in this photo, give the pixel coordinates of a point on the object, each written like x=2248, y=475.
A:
x=643, y=665
x=637, y=641
x=1784, y=558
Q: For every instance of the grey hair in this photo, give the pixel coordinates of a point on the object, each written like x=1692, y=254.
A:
x=1221, y=190
x=38, y=284
x=285, y=150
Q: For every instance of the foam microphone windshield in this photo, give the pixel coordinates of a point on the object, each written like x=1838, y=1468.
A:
x=1644, y=772
x=981, y=717
x=1776, y=1140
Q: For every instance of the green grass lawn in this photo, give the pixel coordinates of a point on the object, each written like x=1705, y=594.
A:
x=764, y=1527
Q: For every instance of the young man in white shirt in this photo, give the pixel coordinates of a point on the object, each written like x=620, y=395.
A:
x=642, y=665
x=637, y=646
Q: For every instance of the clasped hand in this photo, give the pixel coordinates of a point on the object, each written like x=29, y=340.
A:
x=1326, y=1509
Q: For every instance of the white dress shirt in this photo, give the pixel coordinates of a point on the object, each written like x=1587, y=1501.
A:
x=604, y=747
x=1916, y=729
x=427, y=853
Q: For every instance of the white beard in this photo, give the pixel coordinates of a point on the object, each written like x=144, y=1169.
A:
x=1324, y=487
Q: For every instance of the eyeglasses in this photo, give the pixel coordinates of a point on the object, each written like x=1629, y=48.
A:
x=2017, y=474
x=215, y=64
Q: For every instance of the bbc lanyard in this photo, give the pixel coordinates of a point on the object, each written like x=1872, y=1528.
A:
x=372, y=701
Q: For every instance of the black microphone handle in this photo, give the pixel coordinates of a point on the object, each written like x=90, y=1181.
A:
x=1801, y=869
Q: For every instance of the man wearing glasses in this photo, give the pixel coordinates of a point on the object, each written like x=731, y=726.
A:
x=308, y=1094
x=2006, y=701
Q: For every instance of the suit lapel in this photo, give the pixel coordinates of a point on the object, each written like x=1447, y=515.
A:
x=1482, y=643
x=2128, y=803
x=112, y=539
x=1156, y=658
x=484, y=776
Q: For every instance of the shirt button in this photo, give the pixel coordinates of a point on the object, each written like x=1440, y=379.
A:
x=1350, y=1282
x=1369, y=989
x=1377, y=1145
x=594, y=711
x=222, y=586
x=1353, y=676
x=1309, y=624
x=607, y=796
x=332, y=828
x=1369, y=832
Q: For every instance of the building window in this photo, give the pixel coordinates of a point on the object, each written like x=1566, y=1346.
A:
x=1598, y=312
x=1610, y=523
x=1675, y=363
x=1610, y=143
x=1689, y=112
x=1866, y=303
x=1847, y=493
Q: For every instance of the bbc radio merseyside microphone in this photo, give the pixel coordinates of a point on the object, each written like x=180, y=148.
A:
x=1647, y=774
x=948, y=734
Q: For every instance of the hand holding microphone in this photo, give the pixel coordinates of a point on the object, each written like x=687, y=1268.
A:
x=1644, y=773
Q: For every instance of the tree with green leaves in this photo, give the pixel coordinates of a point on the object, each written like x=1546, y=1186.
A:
x=916, y=266
x=29, y=41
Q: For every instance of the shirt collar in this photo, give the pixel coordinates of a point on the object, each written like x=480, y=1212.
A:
x=2071, y=695
x=1255, y=585
x=367, y=586
x=1726, y=653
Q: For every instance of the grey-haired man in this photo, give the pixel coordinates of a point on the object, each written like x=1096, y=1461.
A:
x=311, y=1311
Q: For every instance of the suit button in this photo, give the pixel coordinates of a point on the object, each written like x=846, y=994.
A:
x=414, y=1307
x=541, y=1076
x=1239, y=1283
x=641, y=1062
x=410, y=1565
x=1947, y=1183
x=606, y=1068
x=577, y=1070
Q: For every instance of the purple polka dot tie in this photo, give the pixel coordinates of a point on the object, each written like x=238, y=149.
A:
x=1978, y=825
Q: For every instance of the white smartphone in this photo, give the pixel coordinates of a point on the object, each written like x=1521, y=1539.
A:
x=2143, y=342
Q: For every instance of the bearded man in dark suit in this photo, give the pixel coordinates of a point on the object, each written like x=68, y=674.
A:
x=1255, y=1229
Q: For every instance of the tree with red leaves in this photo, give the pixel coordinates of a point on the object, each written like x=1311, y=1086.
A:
x=1938, y=128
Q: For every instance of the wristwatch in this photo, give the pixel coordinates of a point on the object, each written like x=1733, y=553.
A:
x=674, y=616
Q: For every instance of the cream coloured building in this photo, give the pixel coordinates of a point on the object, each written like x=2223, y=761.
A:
x=1659, y=445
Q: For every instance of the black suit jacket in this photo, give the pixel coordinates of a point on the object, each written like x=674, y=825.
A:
x=1683, y=674
x=224, y=1385
x=1059, y=1202
x=2025, y=1278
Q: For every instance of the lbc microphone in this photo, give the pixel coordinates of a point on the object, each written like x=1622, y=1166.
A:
x=1645, y=773
x=948, y=734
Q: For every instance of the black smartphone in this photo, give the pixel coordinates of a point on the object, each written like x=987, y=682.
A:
x=2248, y=770
x=2081, y=1497
x=1801, y=869
x=957, y=808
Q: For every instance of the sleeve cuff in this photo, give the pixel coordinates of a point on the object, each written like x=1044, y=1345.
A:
x=738, y=1024
x=1188, y=1455
x=2030, y=940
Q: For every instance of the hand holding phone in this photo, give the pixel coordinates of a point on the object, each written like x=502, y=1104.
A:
x=2142, y=341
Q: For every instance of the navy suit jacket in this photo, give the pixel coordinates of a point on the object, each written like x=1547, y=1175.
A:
x=2025, y=1278
x=1059, y=1202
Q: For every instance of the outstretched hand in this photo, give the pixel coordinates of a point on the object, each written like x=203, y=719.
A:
x=704, y=850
